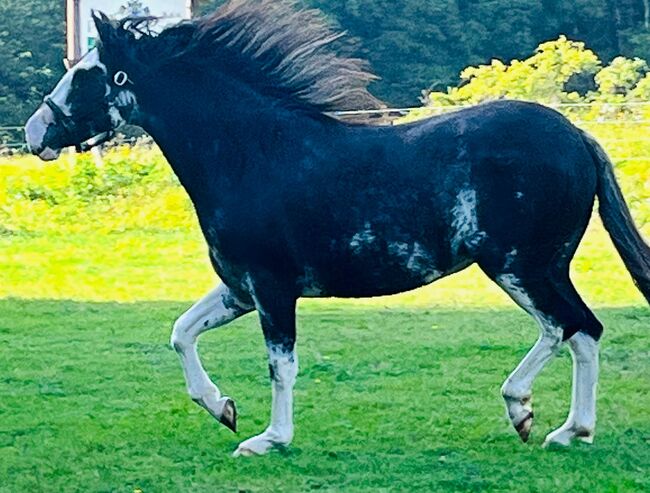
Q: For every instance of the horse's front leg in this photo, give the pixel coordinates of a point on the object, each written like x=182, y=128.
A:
x=214, y=310
x=276, y=308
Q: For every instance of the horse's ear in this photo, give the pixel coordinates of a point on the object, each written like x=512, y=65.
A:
x=104, y=26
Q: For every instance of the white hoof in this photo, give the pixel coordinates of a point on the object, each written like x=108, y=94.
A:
x=261, y=444
x=566, y=433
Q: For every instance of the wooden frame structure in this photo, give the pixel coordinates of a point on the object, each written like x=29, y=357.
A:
x=73, y=28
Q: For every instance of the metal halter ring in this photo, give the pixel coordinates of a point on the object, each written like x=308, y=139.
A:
x=120, y=78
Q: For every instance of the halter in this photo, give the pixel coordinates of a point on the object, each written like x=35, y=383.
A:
x=69, y=126
x=72, y=132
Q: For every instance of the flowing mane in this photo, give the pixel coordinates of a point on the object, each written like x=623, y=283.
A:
x=273, y=46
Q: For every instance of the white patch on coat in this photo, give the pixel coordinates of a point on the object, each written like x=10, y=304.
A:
x=581, y=422
x=285, y=370
x=464, y=220
x=432, y=276
x=415, y=259
x=419, y=259
x=62, y=90
x=216, y=258
x=249, y=287
x=284, y=367
x=420, y=262
x=519, y=195
x=511, y=284
x=362, y=238
x=517, y=388
x=217, y=308
x=124, y=99
x=398, y=249
x=510, y=258
x=117, y=120
x=37, y=125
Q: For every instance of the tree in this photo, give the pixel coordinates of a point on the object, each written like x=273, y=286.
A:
x=411, y=44
x=32, y=40
x=548, y=76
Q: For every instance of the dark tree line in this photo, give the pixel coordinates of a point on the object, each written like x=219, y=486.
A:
x=411, y=44
x=419, y=44
x=32, y=37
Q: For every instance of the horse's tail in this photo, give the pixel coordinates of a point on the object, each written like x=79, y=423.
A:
x=617, y=219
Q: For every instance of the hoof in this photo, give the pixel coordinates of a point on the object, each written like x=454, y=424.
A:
x=586, y=437
x=229, y=415
x=262, y=444
x=520, y=413
x=221, y=408
x=256, y=449
x=524, y=426
x=244, y=452
x=563, y=436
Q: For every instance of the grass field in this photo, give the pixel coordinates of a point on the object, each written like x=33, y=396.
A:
x=388, y=399
x=394, y=394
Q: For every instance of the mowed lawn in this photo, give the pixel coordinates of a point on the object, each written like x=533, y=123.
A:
x=394, y=394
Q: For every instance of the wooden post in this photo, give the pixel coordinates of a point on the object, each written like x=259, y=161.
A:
x=73, y=32
x=192, y=8
x=73, y=47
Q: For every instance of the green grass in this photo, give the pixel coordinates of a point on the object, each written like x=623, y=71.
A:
x=388, y=399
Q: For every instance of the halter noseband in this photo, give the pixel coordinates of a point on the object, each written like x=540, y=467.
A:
x=72, y=132
x=70, y=129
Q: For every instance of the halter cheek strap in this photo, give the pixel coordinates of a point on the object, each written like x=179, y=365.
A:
x=70, y=127
x=72, y=132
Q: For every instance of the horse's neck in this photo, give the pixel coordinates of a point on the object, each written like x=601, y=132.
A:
x=210, y=156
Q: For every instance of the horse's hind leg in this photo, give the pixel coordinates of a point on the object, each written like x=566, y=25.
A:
x=517, y=389
x=582, y=417
x=561, y=314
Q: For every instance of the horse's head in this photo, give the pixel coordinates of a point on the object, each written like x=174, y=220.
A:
x=91, y=100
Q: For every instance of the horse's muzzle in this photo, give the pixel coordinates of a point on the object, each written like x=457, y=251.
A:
x=35, y=131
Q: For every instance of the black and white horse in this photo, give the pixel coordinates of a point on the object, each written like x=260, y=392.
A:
x=293, y=202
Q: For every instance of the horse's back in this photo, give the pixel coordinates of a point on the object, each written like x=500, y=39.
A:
x=526, y=165
x=438, y=195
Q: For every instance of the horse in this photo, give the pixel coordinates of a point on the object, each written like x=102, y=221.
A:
x=294, y=202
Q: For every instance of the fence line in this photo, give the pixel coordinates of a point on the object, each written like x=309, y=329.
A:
x=461, y=106
x=10, y=132
x=610, y=122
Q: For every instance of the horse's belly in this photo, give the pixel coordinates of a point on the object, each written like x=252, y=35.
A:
x=364, y=272
x=360, y=287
